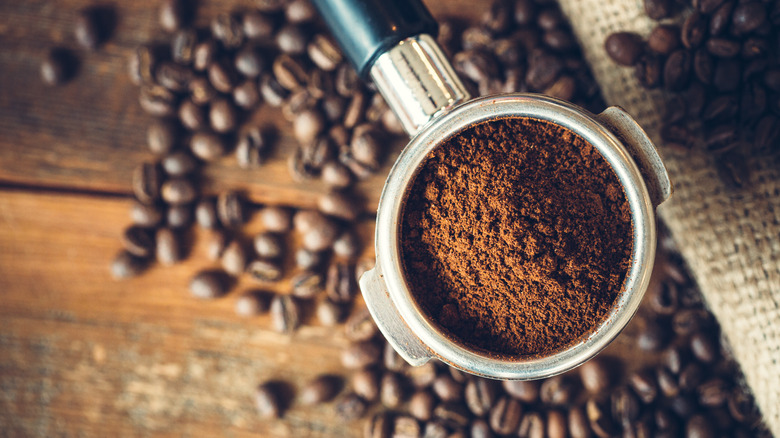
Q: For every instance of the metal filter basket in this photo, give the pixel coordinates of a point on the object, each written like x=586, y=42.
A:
x=390, y=42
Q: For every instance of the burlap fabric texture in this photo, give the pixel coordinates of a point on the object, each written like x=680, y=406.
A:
x=729, y=238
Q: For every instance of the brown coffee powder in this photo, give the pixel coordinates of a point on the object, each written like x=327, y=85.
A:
x=516, y=237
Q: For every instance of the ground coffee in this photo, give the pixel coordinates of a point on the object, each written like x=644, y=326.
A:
x=516, y=237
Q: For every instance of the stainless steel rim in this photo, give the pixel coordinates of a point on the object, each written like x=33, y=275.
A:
x=389, y=223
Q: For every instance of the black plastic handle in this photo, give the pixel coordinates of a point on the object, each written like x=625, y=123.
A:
x=367, y=28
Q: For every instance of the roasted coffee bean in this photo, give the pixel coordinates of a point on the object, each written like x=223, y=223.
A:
x=767, y=132
x=658, y=9
x=227, y=29
x=477, y=65
x=525, y=12
x=321, y=237
x=183, y=46
x=644, y=385
x=748, y=16
x=127, y=265
x=689, y=321
x=578, y=423
x=268, y=400
x=595, y=376
x=276, y=219
x=378, y=426
x=532, y=425
x=623, y=47
x=208, y=284
x=341, y=284
x=480, y=395
x=361, y=327
x=333, y=108
x=201, y=91
x=174, y=14
x=677, y=70
x=713, y=393
x=251, y=147
x=423, y=375
x=145, y=215
x=391, y=390
x=204, y=54
x=231, y=209
x=664, y=298
x=249, y=62
x=87, y=29
x=698, y=426
x=365, y=383
x=268, y=245
x=365, y=147
x=549, y=18
x=329, y=313
x=723, y=48
x=649, y=70
x=625, y=405
x=336, y=175
x=727, y=75
x=307, y=284
x=173, y=76
x=217, y=243
x=324, y=53
x=667, y=382
x=740, y=405
x=392, y=360
x=257, y=25
x=543, y=70
x=557, y=391
x=704, y=347
x=192, y=116
x=162, y=136
x=653, y=335
x=178, y=191
x=359, y=355
x=690, y=376
x=505, y=415
x=347, y=80
x=301, y=100
x=421, y=405
x=664, y=39
x=476, y=37
x=299, y=11
x=694, y=30
x=157, y=101
x=179, y=216
x=347, y=245
x=455, y=415
x=600, y=422
x=556, y=424
x=305, y=259
x=673, y=359
x=179, y=164
x=138, y=241
x=222, y=115
x=206, y=214
x=168, y=247
x=291, y=39
x=142, y=64
x=147, y=180
x=222, y=76
x=447, y=389
x=273, y=93
x=252, y=303
x=350, y=407
x=355, y=110
x=285, y=314
x=405, y=426
x=234, y=258
x=265, y=270
x=339, y=205
x=307, y=126
x=289, y=73
x=321, y=389
x=527, y=391
x=246, y=95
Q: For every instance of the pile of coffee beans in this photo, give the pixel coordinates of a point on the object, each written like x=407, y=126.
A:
x=721, y=72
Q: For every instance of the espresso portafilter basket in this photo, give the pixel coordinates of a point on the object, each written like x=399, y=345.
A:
x=391, y=42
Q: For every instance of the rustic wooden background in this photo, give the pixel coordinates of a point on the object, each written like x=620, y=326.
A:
x=82, y=354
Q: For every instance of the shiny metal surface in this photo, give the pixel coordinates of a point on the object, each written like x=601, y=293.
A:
x=417, y=81
x=387, y=293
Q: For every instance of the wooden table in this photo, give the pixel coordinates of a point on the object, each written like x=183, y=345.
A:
x=82, y=354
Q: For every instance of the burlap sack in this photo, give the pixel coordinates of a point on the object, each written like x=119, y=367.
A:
x=730, y=239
